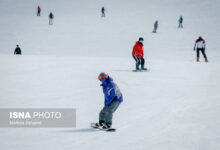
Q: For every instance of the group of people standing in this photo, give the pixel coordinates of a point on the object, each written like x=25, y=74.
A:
x=199, y=43
x=51, y=15
x=180, y=21
x=137, y=53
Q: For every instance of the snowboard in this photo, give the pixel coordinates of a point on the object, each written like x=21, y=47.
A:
x=100, y=128
x=141, y=70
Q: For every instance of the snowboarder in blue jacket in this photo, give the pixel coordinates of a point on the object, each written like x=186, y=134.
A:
x=113, y=98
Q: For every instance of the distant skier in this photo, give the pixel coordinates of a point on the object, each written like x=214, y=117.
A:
x=103, y=11
x=181, y=22
x=113, y=98
x=138, y=54
x=51, y=16
x=38, y=11
x=17, y=50
x=200, y=46
x=155, y=26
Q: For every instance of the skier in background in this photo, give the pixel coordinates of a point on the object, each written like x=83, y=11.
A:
x=103, y=11
x=38, y=11
x=200, y=46
x=181, y=22
x=113, y=98
x=17, y=50
x=51, y=16
x=138, y=54
x=155, y=26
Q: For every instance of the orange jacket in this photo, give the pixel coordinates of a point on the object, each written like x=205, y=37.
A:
x=138, y=50
x=38, y=9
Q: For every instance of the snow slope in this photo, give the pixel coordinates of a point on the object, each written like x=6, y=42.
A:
x=175, y=106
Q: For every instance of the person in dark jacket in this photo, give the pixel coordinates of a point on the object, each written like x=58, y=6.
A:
x=181, y=22
x=17, y=50
x=200, y=46
x=103, y=11
x=113, y=98
x=51, y=16
x=155, y=26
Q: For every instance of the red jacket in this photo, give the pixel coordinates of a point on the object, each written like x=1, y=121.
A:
x=138, y=50
x=38, y=9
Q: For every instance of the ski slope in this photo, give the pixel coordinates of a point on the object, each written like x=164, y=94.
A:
x=175, y=106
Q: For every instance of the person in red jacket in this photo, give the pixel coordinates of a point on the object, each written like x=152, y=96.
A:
x=138, y=54
x=38, y=11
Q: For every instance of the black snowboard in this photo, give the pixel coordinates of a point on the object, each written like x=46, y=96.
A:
x=141, y=70
x=93, y=125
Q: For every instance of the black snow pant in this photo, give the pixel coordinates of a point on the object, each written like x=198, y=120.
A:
x=17, y=53
x=139, y=61
x=180, y=25
x=103, y=14
x=203, y=52
x=155, y=30
x=38, y=13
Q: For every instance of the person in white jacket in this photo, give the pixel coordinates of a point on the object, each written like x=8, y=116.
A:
x=200, y=46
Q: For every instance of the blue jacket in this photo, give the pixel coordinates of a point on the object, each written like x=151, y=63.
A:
x=111, y=91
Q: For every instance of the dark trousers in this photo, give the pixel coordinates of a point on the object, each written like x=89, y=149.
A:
x=180, y=25
x=38, y=13
x=103, y=14
x=155, y=30
x=106, y=113
x=203, y=52
x=17, y=53
x=139, y=61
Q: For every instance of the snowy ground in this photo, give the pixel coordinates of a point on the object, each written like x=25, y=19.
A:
x=175, y=106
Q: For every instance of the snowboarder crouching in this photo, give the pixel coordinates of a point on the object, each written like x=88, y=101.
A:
x=113, y=98
x=138, y=54
x=17, y=50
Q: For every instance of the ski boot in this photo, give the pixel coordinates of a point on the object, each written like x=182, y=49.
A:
x=206, y=60
x=197, y=59
x=137, y=68
x=143, y=68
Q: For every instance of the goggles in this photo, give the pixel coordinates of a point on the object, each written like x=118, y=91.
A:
x=101, y=77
